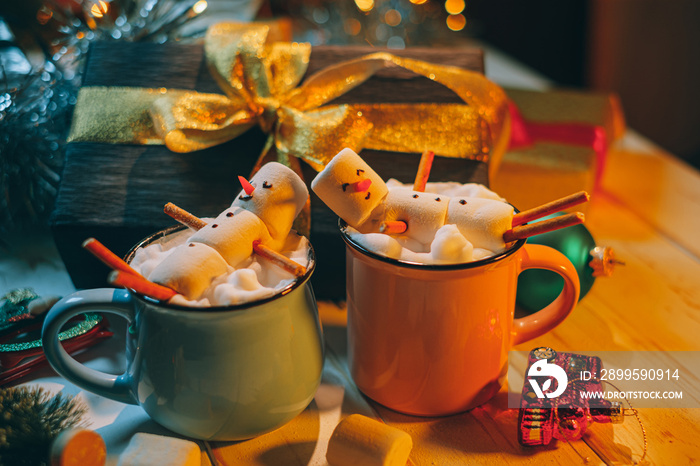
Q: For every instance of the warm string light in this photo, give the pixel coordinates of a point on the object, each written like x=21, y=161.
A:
x=456, y=22
x=365, y=5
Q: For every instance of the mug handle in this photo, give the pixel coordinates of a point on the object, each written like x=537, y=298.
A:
x=115, y=301
x=537, y=256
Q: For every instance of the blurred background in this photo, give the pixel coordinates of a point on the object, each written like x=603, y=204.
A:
x=645, y=51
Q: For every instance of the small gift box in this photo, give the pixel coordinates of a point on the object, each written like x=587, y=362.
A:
x=142, y=138
x=559, y=142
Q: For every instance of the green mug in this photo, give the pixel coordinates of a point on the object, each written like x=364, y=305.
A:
x=219, y=373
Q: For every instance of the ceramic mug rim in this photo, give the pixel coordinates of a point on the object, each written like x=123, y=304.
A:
x=342, y=225
x=146, y=300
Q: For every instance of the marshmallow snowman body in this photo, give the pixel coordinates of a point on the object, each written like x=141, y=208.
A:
x=336, y=186
x=189, y=269
x=424, y=213
x=482, y=221
x=232, y=234
x=277, y=199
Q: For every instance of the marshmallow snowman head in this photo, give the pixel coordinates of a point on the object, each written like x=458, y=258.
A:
x=277, y=198
x=350, y=187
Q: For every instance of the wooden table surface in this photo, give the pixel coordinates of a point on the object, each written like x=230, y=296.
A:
x=648, y=210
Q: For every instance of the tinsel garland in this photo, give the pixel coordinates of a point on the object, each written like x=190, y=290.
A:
x=31, y=419
x=34, y=119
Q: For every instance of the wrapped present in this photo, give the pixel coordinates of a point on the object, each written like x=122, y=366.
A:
x=141, y=136
x=559, y=143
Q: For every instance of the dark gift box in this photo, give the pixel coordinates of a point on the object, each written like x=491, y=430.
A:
x=116, y=193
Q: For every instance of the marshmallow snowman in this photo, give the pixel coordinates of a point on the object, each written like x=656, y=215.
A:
x=481, y=221
x=265, y=215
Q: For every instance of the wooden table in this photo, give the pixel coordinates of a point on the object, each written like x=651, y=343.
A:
x=648, y=210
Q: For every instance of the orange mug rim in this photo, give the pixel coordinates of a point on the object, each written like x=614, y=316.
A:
x=299, y=281
x=342, y=225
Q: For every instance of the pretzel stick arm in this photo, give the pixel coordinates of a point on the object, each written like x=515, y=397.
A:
x=285, y=262
x=141, y=285
x=110, y=259
x=423, y=173
x=184, y=217
x=551, y=224
x=550, y=208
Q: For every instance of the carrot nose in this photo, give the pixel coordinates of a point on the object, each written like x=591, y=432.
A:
x=247, y=187
x=359, y=186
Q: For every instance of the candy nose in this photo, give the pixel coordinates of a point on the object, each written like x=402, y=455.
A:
x=247, y=187
x=359, y=186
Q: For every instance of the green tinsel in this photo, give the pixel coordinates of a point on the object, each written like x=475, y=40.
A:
x=30, y=419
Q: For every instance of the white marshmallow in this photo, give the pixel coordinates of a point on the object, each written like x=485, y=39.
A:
x=149, y=449
x=278, y=198
x=450, y=246
x=232, y=234
x=424, y=213
x=482, y=221
x=189, y=269
x=333, y=186
x=359, y=440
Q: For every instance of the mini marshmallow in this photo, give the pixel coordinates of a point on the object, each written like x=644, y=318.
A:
x=149, y=449
x=424, y=213
x=278, y=198
x=482, y=221
x=450, y=246
x=335, y=183
x=189, y=269
x=232, y=234
x=359, y=440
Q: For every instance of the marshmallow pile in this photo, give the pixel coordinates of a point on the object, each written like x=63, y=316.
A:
x=448, y=223
x=215, y=266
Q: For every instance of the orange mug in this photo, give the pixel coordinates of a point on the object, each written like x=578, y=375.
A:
x=433, y=340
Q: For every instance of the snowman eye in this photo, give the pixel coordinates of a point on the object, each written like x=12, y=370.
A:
x=359, y=170
x=266, y=185
x=245, y=197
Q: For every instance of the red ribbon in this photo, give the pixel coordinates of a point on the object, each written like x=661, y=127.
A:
x=526, y=133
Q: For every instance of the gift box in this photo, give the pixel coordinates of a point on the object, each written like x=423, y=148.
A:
x=116, y=192
x=559, y=143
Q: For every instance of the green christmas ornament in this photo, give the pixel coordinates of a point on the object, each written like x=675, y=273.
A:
x=537, y=288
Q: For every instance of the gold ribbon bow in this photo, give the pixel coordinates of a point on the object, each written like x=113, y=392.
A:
x=260, y=81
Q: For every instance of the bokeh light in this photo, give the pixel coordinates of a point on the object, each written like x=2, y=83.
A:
x=99, y=9
x=365, y=5
x=392, y=17
x=352, y=26
x=199, y=7
x=418, y=2
x=454, y=7
x=456, y=22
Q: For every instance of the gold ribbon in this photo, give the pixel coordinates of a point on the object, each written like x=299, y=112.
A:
x=260, y=79
x=260, y=82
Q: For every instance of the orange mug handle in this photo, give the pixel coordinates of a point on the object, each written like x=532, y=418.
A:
x=536, y=256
